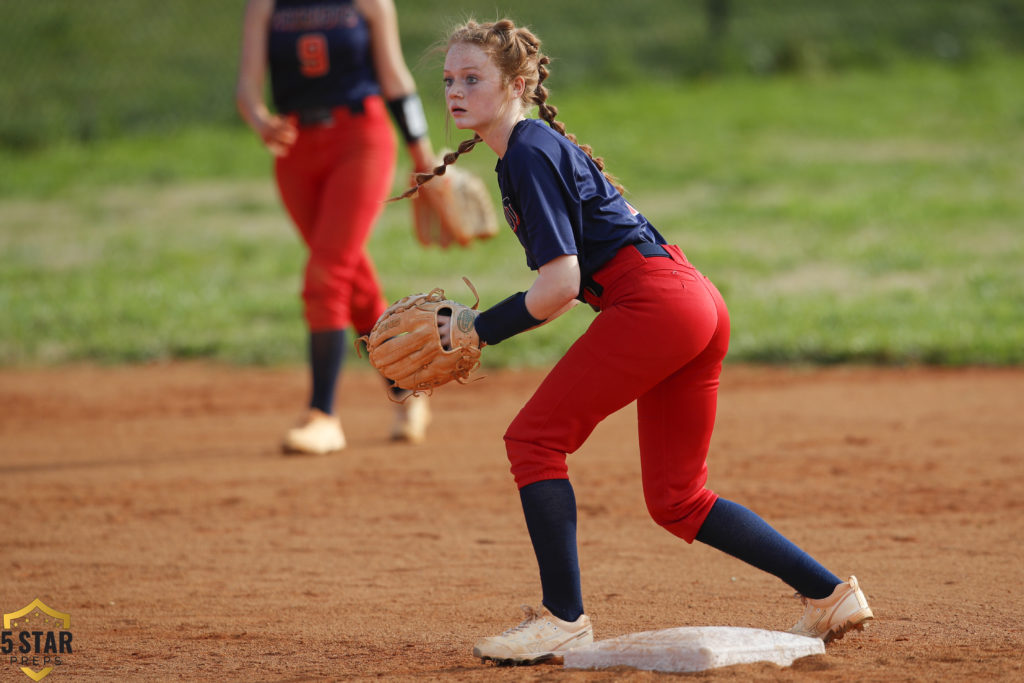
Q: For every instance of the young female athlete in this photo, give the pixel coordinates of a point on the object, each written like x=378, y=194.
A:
x=336, y=68
x=586, y=242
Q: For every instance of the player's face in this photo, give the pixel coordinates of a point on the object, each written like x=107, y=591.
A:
x=473, y=88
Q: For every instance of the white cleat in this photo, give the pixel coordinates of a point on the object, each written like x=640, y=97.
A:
x=318, y=434
x=830, y=618
x=412, y=417
x=540, y=636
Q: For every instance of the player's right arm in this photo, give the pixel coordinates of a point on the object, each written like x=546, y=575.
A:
x=277, y=133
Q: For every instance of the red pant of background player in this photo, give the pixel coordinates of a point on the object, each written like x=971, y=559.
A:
x=660, y=339
x=333, y=183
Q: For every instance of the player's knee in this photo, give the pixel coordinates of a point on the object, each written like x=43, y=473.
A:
x=681, y=515
x=664, y=513
x=531, y=462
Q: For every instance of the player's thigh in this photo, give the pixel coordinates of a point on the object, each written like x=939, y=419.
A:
x=626, y=350
x=298, y=185
x=676, y=416
x=675, y=421
x=353, y=194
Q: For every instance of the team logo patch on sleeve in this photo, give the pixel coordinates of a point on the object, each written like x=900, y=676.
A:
x=510, y=214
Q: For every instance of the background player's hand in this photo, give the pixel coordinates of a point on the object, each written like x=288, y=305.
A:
x=278, y=134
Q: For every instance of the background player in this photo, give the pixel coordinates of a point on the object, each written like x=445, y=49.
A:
x=586, y=242
x=336, y=68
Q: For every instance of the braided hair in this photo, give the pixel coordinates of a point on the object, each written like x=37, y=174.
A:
x=516, y=52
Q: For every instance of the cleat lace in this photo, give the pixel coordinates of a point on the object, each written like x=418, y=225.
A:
x=532, y=615
x=808, y=616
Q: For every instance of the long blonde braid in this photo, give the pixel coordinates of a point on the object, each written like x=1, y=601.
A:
x=548, y=112
x=449, y=158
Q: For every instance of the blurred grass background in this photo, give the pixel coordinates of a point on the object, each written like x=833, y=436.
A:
x=851, y=175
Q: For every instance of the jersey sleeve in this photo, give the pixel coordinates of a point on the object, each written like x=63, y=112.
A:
x=544, y=193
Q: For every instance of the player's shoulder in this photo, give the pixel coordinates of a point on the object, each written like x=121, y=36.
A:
x=536, y=132
x=533, y=140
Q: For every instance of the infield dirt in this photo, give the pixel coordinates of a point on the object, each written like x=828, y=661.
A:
x=152, y=505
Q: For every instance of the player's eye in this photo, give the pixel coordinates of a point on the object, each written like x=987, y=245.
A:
x=448, y=81
x=472, y=80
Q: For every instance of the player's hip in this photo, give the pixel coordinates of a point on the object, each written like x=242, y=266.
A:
x=654, y=274
x=345, y=132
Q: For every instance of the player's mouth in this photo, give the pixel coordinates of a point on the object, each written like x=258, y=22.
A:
x=455, y=111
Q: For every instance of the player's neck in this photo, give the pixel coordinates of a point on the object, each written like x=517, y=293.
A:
x=496, y=135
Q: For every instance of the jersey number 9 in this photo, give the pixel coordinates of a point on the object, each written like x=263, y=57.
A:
x=314, y=59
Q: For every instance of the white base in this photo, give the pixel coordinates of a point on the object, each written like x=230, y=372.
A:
x=694, y=648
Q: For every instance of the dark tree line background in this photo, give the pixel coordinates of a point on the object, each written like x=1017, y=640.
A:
x=82, y=71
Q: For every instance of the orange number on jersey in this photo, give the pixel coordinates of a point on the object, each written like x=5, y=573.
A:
x=314, y=60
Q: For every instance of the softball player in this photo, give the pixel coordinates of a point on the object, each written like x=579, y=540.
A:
x=587, y=243
x=336, y=68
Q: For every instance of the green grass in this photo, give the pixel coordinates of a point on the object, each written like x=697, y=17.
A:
x=867, y=216
x=85, y=71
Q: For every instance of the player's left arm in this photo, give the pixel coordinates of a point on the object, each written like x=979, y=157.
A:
x=555, y=290
x=396, y=81
x=552, y=293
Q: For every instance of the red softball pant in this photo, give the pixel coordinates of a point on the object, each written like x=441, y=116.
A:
x=333, y=183
x=660, y=339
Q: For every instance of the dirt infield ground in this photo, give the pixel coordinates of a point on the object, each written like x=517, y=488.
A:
x=152, y=506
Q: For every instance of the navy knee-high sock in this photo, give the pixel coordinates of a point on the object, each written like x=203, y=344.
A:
x=550, y=510
x=326, y=356
x=735, y=530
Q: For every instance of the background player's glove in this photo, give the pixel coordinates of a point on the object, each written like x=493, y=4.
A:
x=454, y=207
x=405, y=345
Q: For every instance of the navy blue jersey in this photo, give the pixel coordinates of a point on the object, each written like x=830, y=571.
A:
x=319, y=54
x=558, y=202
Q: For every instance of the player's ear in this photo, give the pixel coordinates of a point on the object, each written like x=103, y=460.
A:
x=518, y=87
